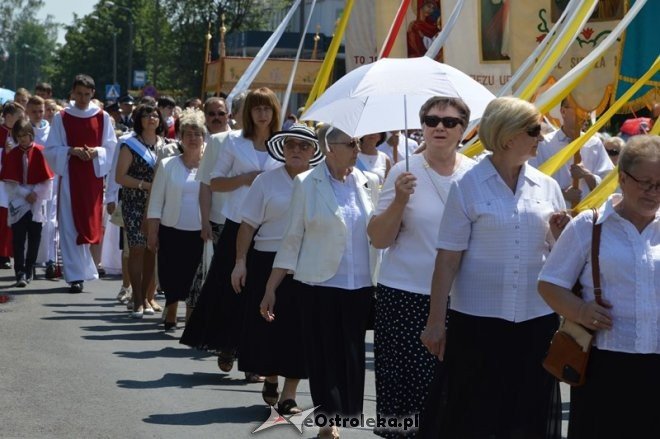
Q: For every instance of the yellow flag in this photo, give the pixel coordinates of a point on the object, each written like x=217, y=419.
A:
x=324, y=74
x=557, y=161
x=600, y=193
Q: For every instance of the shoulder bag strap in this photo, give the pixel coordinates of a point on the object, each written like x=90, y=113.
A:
x=595, y=264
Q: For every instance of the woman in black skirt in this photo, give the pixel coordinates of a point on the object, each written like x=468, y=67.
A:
x=326, y=246
x=217, y=320
x=173, y=216
x=265, y=213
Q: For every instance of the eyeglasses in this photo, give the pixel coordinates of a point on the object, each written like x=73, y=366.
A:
x=150, y=114
x=534, y=131
x=214, y=113
x=646, y=186
x=612, y=152
x=352, y=144
x=291, y=145
x=447, y=122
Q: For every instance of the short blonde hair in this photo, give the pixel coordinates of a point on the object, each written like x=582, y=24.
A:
x=503, y=119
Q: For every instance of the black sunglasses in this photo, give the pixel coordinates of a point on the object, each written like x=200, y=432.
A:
x=214, y=114
x=447, y=122
x=534, y=131
x=612, y=152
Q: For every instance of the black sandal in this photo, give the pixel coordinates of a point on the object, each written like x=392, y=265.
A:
x=226, y=361
x=288, y=407
x=269, y=393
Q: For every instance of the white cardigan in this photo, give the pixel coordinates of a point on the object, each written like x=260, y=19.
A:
x=166, y=192
x=315, y=239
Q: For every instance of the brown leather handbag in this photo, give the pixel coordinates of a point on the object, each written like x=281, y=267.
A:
x=570, y=347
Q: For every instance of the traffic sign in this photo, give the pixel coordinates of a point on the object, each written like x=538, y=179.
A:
x=112, y=91
x=139, y=78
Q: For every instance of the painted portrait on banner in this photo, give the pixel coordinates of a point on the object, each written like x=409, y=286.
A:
x=426, y=26
x=494, y=27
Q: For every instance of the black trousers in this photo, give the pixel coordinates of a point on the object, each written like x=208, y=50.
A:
x=25, y=230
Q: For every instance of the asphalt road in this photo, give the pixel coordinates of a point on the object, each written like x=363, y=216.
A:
x=76, y=366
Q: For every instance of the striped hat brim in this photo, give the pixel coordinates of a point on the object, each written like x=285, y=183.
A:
x=275, y=144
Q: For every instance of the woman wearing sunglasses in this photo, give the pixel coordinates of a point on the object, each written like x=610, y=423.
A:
x=325, y=245
x=406, y=225
x=139, y=156
x=499, y=223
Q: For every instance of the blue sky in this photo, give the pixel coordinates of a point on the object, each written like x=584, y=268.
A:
x=62, y=11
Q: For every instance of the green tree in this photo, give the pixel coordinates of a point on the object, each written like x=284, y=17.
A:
x=31, y=44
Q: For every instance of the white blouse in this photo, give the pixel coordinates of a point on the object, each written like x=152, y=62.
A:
x=629, y=273
x=266, y=206
x=408, y=263
x=505, y=238
x=237, y=156
x=189, y=202
x=376, y=164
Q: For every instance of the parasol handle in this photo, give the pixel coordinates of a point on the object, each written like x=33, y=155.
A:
x=405, y=129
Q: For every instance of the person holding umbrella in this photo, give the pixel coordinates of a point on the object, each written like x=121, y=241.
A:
x=406, y=224
x=500, y=221
x=326, y=246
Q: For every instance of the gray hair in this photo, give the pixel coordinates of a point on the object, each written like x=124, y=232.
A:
x=328, y=134
x=237, y=102
x=192, y=119
x=641, y=148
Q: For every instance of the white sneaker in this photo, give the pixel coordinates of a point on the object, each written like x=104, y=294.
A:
x=124, y=294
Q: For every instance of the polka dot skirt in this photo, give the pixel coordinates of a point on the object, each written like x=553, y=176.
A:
x=404, y=367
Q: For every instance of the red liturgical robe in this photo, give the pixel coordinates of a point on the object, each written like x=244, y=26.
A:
x=85, y=187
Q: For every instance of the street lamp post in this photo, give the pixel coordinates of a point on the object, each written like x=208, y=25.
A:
x=130, y=42
x=16, y=51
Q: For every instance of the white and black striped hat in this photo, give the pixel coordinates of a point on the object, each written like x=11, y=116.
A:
x=275, y=144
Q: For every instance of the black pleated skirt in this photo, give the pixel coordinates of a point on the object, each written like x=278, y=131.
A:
x=618, y=398
x=217, y=320
x=334, y=329
x=179, y=254
x=497, y=385
x=274, y=348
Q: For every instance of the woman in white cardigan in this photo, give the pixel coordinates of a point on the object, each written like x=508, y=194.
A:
x=326, y=246
x=173, y=215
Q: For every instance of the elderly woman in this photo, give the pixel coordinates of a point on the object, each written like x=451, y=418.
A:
x=406, y=224
x=326, y=246
x=613, y=146
x=139, y=155
x=217, y=320
x=371, y=159
x=173, y=216
x=265, y=214
x=625, y=357
x=494, y=236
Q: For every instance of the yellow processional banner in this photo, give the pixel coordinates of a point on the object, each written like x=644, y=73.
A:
x=530, y=21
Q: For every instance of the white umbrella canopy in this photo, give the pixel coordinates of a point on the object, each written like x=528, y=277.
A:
x=372, y=98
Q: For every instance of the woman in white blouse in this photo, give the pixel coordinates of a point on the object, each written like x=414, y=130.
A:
x=625, y=357
x=406, y=225
x=371, y=159
x=265, y=214
x=326, y=246
x=217, y=320
x=173, y=217
x=494, y=236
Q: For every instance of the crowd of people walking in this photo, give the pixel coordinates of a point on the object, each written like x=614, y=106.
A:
x=288, y=245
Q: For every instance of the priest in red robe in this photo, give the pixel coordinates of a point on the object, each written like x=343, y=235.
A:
x=79, y=149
